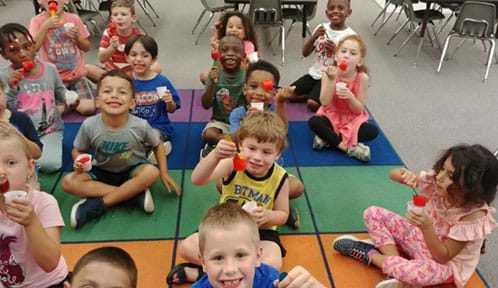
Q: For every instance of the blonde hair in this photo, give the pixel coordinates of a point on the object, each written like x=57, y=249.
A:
x=124, y=4
x=363, y=49
x=8, y=133
x=265, y=127
x=226, y=215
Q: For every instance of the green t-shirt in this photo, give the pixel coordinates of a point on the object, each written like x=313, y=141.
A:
x=228, y=94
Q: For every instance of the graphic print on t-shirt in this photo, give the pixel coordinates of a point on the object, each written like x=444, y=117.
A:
x=11, y=273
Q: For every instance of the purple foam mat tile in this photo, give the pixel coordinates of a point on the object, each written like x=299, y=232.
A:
x=73, y=117
x=199, y=114
x=298, y=112
x=183, y=114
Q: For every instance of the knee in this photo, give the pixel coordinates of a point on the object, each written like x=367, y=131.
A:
x=296, y=188
x=68, y=183
x=151, y=173
x=370, y=213
x=313, y=105
x=49, y=165
x=86, y=107
x=188, y=250
x=273, y=261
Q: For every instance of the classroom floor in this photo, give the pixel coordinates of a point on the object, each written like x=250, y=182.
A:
x=328, y=209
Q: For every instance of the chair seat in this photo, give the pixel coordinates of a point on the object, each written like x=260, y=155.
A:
x=292, y=14
x=433, y=14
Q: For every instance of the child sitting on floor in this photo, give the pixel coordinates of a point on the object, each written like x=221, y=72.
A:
x=120, y=142
x=111, y=50
x=223, y=91
x=104, y=267
x=342, y=120
x=61, y=38
x=323, y=43
x=442, y=243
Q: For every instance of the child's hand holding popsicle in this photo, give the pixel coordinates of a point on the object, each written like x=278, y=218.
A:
x=284, y=94
x=239, y=163
x=224, y=149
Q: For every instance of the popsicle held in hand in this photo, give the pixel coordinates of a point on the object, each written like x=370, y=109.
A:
x=215, y=55
x=268, y=85
x=4, y=187
x=52, y=8
x=112, y=29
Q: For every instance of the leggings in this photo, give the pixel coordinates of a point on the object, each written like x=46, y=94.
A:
x=386, y=227
x=322, y=127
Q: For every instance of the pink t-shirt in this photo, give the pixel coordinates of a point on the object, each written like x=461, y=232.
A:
x=58, y=48
x=17, y=266
x=118, y=59
x=447, y=223
x=248, y=47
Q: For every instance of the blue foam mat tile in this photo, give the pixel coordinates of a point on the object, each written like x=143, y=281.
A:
x=301, y=138
x=194, y=145
x=70, y=131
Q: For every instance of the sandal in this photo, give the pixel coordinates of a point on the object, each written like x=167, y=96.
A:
x=179, y=270
x=293, y=220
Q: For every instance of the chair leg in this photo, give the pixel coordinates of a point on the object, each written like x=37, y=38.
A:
x=146, y=2
x=204, y=27
x=406, y=41
x=282, y=31
x=382, y=13
x=288, y=30
x=385, y=21
x=397, y=31
x=445, y=49
x=146, y=11
x=490, y=59
x=198, y=21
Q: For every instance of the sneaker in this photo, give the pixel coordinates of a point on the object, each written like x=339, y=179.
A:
x=390, y=282
x=351, y=246
x=360, y=151
x=293, y=220
x=85, y=210
x=206, y=150
x=144, y=201
x=319, y=143
x=167, y=150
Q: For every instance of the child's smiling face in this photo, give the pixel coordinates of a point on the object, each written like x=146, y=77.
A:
x=231, y=53
x=254, y=90
x=18, y=50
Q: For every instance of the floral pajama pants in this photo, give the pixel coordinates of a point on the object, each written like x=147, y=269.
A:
x=386, y=227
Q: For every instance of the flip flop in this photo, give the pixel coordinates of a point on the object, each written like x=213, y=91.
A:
x=179, y=270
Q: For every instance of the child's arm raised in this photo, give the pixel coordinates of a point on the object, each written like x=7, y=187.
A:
x=328, y=84
x=40, y=32
x=404, y=176
x=215, y=165
x=280, y=99
x=44, y=243
x=310, y=44
x=280, y=212
x=82, y=41
x=208, y=95
x=167, y=181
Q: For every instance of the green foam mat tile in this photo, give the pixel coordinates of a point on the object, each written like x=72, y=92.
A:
x=121, y=223
x=339, y=202
x=48, y=181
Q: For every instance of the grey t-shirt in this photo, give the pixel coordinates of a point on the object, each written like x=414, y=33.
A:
x=116, y=151
x=38, y=96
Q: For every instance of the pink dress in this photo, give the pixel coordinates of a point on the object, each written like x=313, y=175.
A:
x=344, y=121
x=447, y=224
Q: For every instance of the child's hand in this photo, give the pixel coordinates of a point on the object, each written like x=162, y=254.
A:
x=20, y=211
x=408, y=177
x=319, y=32
x=169, y=182
x=214, y=73
x=15, y=78
x=224, y=149
x=167, y=97
x=260, y=215
x=284, y=94
x=344, y=93
x=51, y=23
x=78, y=167
x=298, y=277
x=73, y=32
x=422, y=220
x=330, y=72
x=330, y=46
x=114, y=41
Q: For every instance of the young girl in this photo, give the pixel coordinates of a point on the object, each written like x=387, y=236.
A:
x=443, y=243
x=341, y=121
x=38, y=92
x=237, y=24
x=155, y=95
x=29, y=225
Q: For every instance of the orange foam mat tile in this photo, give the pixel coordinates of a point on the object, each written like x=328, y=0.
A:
x=153, y=258
x=348, y=272
x=302, y=250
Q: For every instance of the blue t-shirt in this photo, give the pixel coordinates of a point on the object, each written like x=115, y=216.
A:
x=238, y=114
x=263, y=278
x=150, y=105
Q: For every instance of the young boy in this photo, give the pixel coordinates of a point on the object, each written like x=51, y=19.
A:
x=323, y=41
x=261, y=139
x=36, y=90
x=61, y=38
x=111, y=51
x=223, y=91
x=256, y=94
x=120, y=142
x=23, y=125
x=231, y=253
x=104, y=267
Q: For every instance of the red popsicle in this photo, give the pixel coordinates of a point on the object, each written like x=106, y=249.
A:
x=215, y=55
x=27, y=65
x=112, y=29
x=268, y=85
x=52, y=8
x=239, y=164
x=419, y=200
x=343, y=65
x=4, y=187
x=84, y=159
x=218, y=25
